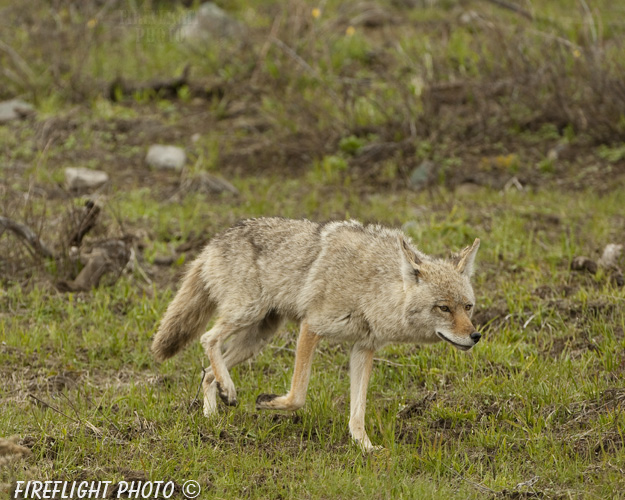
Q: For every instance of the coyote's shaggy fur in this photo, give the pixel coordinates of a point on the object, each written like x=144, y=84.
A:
x=366, y=285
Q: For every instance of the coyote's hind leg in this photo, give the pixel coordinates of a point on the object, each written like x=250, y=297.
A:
x=212, y=342
x=296, y=397
x=241, y=346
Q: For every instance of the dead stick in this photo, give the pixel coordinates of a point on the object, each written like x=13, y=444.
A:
x=27, y=234
x=53, y=408
x=86, y=423
x=86, y=223
x=200, y=387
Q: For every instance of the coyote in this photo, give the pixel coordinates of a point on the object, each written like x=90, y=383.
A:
x=342, y=281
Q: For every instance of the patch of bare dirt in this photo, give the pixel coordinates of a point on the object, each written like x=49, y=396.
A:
x=417, y=408
x=56, y=383
x=572, y=345
x=592, y=310
x=490, y=316
x=579, y=425
x=595, y=446
x=555, y=291
x=522, y=495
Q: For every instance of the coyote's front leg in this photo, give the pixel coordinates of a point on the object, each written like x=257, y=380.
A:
x=360, y=364
x=296, y=397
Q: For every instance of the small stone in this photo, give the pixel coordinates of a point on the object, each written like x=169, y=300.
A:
x=420, y=176
x=166, y=157
x=14, y=109
x=210, y=22
x=84, y=178
x=611, y=254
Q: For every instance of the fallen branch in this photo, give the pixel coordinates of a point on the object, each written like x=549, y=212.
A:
x=97, y=258
x=86, y=423
x=47, y=405
x=87, y=222
x=28, y=235
x=111, y=255
x=168, y=88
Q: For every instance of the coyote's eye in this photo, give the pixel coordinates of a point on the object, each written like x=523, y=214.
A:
x=445, y=309
x=468, y=307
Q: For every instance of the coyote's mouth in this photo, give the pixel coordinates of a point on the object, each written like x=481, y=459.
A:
x=462, y=347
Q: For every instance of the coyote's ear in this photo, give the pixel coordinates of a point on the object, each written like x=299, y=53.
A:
x=465, y=259
x=410, y=262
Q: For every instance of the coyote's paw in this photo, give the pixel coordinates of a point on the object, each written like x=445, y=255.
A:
x=365, y=444
x=275, y=402
x=228, y=394
x=368, y=447
x=263, y=401
x=374, y=449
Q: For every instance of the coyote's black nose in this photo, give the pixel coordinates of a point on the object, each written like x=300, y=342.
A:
x=475, y=337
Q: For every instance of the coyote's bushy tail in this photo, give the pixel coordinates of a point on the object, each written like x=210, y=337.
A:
x=186, y=317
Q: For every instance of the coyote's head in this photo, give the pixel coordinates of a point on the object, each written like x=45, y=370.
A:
x=439, y=297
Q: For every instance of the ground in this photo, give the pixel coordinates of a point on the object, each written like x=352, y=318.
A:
x=451, y=119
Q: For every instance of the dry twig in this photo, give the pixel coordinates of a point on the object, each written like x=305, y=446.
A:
x=28, y=235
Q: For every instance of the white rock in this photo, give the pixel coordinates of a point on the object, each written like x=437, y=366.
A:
x=611, y=253
x=166, y=157
x=210, y=22
x=14, y=109
x=84, y=178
